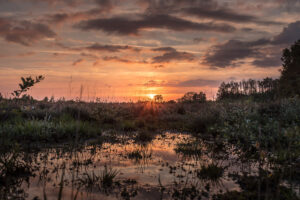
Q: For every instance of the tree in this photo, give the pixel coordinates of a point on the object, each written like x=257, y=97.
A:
x=289, y=81
x=201, y=97
x=26, y=84
x=193, y=97
x=188, y=97
x=158, y=98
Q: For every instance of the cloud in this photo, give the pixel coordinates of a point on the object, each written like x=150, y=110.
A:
x=187, y=83
x=77, y=62
x=155, y=83
x=164, y=49
x=118, y=59
x=158, y=66
x=198, y=83
x=59, y=2
x=172, y=6
x=225, y=14
x=226, y=54
x=289, y=34
x=73, y=17
x=171, y=54
x=110, y=48
x=24, y=32
x=80, y=15
x=105, y=4
x=272, y=61
x=203, y=9
x=198, y=40
x=126, y=26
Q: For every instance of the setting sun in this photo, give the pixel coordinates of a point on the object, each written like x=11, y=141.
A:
x=151, y=96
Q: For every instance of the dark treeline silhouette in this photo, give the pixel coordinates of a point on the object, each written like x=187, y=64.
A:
x=261, y=89
x=288, y=85
x=193, y=97
x=290, y=74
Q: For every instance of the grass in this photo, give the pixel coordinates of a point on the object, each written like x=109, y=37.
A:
x=107, y=177
x=257, y=126
x=189, y=149
x=210, y=172
x=104, y=180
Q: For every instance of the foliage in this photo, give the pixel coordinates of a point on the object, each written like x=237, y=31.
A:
x=193, y=97
x=290, y=74
x=158, y=98
x=261, y=89
x=26, y=84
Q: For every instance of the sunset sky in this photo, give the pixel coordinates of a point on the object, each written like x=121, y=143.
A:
x=128, y=49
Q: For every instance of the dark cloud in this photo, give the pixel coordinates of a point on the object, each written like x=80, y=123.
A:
x=110, y=48
x=272, y=61
x=187, y=83
x=73, y=17
x=159, y=66
x=126, y=26
x=123, y=60
x=288, y=5
x=226, y=54
x=198, y=83
x=172, y=6
x=154, y=83
x=116, y=58
x=203, y=9
x=171, y=54
x=198, y=40
x=105, y=4
x=225, y=14
x=289, y=34
x=59, y=2
x=164, y=49
x=77, y=62
x=24, y=32
x=105, y=7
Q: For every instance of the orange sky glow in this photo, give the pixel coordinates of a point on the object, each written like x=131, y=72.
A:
x=132, y=50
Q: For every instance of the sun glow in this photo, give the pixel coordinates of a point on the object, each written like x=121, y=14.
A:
x=151, y=96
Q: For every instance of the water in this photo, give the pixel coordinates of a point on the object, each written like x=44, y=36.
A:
x=168, y=167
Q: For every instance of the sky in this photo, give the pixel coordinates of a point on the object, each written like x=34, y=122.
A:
x=123, y=50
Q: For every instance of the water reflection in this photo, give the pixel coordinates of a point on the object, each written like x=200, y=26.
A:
x=172, y=166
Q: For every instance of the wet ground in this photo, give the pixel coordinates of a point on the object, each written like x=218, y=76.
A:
x=171, y=166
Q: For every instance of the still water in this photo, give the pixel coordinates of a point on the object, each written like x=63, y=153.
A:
x=171, y=166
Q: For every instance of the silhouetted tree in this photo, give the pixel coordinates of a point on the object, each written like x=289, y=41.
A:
x=290, y=75
x=201, y=97
x=262, y=89
x=26, y=84
x=187, y=97
x=158, y=98
x=193, y=97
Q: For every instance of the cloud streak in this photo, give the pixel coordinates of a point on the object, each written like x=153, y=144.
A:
x=24, y=32
x=127, y=26
x=225, y=14
x=171, y=54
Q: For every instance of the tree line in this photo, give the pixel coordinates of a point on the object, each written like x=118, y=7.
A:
x=288, y=85
x=266, y=88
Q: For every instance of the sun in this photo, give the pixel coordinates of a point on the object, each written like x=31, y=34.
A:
x=151, y=96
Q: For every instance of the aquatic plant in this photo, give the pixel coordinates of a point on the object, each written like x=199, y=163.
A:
x=107, y=177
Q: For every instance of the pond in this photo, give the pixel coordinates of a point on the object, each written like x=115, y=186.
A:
x=171, y=166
